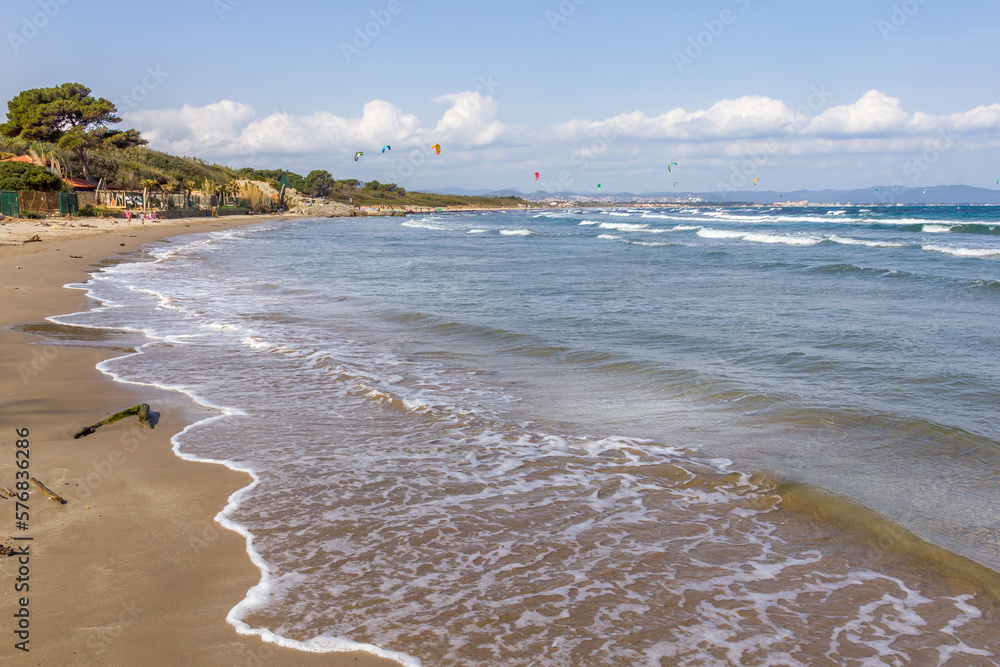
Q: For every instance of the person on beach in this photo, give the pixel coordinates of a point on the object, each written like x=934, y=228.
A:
x=142, y=217
x=128, y=216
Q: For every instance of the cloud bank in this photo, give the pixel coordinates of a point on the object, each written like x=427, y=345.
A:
x=479, y=144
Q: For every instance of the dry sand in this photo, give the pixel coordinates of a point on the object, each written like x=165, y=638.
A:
x=133, y=570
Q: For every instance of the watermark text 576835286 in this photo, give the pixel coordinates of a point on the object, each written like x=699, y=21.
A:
x=22, y=541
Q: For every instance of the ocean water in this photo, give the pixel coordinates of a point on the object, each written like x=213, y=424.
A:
x=670, y=436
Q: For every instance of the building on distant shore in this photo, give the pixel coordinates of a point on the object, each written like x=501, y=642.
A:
x=79, y=184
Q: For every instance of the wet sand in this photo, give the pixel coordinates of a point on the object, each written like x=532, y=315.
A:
x=133, y=569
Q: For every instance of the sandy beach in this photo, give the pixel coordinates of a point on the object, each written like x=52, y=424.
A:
x=133, y=569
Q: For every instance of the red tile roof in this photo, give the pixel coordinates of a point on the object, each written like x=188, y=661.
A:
x=21, y=158
x=80, y=183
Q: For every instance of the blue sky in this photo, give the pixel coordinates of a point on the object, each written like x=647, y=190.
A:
x=798, y=94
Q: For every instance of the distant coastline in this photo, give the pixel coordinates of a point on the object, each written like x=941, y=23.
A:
x=876, y=195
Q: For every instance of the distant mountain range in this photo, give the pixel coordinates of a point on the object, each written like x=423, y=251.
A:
x=880, y=195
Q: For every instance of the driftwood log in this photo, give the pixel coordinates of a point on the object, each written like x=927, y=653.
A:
x=59, y=499
x=142, y=410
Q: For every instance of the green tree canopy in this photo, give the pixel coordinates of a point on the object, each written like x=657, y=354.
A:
x=295, y=181
x=319, y=183
x=23, y=176
x=375, y=186
x=70, y=117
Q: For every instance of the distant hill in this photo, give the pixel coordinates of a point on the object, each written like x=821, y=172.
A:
x=509, y=192
x=885, y=195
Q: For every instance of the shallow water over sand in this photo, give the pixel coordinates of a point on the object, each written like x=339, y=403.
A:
x=565, y=439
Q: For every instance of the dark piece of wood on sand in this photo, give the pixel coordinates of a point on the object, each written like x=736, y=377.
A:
x=59, y=499
x=142, y=410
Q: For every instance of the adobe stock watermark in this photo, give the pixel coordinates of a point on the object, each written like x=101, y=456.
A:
x=363, y=36
x=744, y=173
x=901, y=15
x=101, y=638
x=101, y=470
x=41, y=357
x=223, y=7
x=704, y=40
x=409, y=163
x=565, y=9
x=30, y=25
x=584, y=156
x=133, y=98
x=920, y=163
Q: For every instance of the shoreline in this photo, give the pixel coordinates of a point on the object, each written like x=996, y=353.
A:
x=134, y=568
x=102, y=599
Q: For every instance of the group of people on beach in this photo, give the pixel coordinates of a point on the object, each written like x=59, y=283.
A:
x=142, y=216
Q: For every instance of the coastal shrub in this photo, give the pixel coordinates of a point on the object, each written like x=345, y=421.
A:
x=319, y=183
x=23, y=176
x=68, y=116
x=91, y=211
x=273, y=177
x=382, y=190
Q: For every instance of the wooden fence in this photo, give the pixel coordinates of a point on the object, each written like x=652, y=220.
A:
x=168, y=204
x=164, y=201
x=48, y=203
x=40, y=203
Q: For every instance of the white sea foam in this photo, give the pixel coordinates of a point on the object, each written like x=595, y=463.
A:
x=871, y=244
x=754, y=218
x=964, y=252
x=659, y=216
x=756, y=237
x=516, y=232
x=219, y=326
x=937, y=229
x=556, y=216
x=649, y=244
x=624, y=226
x=619, y=528
x=430, y=222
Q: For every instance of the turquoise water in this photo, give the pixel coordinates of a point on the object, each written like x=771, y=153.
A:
x=498, y=438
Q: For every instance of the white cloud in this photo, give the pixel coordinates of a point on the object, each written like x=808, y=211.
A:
x=982, y=118
x=324, y=132
x=229, y=129
x=193, y=130
x=472, y=120
x=480, y=145
x=748, y=116
x=874, y=113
